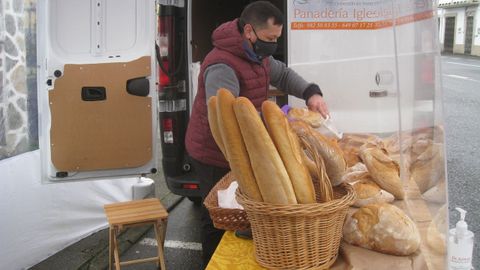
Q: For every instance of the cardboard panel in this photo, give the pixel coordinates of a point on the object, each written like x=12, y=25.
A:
x=113, y=133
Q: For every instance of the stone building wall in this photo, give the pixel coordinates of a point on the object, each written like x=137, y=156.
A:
x=14, y=115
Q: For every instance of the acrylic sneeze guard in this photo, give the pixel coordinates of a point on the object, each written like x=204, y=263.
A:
x=378, y=65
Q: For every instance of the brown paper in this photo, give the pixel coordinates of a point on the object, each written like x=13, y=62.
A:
x=113, y=133
x=358, y=258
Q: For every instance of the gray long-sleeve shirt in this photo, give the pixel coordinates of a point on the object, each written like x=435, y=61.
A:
x=283, y=78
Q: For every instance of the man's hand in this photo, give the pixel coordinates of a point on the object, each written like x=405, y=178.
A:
x=316, y=103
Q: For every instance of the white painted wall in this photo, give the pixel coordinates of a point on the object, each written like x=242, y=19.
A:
x=476, y=28
x=441, y=28
x=460, y=26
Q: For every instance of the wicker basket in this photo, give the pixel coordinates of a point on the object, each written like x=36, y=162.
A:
x=223, y=218
x=298, y=236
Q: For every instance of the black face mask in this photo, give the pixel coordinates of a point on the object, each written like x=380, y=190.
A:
x=263, y=48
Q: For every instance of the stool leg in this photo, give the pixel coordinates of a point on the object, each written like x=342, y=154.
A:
x=110, y=247
x=160, y=230
x=115, y=250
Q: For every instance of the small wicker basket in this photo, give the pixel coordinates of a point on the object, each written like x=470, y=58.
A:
x=223, y=218
x=298, y=236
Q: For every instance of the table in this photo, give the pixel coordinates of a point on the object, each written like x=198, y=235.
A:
x=234, y=253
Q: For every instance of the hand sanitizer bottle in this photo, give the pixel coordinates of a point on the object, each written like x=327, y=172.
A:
x=460, y=245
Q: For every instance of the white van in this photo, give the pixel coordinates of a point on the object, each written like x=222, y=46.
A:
x=105, y=87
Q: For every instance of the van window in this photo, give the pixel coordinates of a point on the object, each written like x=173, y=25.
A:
x=18, y=80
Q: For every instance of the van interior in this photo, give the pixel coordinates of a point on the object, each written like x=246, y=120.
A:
x=178, y=76
x=209, y=14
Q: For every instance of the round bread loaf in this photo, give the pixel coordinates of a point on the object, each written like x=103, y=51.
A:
x=384, y=228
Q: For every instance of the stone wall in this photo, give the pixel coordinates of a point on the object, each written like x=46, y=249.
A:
x=14, y=92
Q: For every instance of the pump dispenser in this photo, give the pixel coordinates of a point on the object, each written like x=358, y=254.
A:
x=460, y=245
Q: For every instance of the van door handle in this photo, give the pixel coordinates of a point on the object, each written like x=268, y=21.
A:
x=378, y=93
x=93, y=93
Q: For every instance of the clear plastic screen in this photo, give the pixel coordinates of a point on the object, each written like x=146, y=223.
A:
x=378, y=65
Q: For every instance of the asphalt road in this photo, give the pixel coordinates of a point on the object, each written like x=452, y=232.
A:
x=182, y=243
x=461, y=96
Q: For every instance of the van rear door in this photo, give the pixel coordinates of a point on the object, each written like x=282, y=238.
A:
x=97, y=88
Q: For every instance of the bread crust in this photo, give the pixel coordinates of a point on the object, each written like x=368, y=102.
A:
x=213, y=123
x=331, y=153
x=234, y=146
x=384, y=228
x=384, y=171
x=268, y=168
x=288, y=146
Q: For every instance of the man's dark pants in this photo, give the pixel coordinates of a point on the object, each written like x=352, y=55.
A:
x=208, y=175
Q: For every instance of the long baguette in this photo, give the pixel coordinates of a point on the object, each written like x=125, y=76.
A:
x=213, y=123
x=288, y=146
x=270, y=173
x=234, y=145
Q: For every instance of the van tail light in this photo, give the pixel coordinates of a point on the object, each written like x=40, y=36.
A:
x=190, y=186
x=168, y=130
x=165, y=49
x=163, y=77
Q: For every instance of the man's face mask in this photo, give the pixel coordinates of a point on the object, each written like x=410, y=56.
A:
x=263, y=48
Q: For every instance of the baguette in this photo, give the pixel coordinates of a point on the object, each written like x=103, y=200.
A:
x=213, y=123
x=234, y=146
x=288, y=146
x=268, y=168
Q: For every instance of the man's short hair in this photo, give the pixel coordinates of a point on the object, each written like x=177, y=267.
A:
x=258, y=13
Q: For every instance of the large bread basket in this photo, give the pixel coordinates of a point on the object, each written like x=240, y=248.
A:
x=223, y=218
x=298, y=236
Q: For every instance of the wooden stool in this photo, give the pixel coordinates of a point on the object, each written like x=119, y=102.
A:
x=136, y=213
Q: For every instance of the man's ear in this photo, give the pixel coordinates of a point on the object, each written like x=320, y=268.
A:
x=248, y=31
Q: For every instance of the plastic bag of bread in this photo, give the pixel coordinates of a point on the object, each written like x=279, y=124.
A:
x=384, y=228
x=314, y=119
x=351, y=144
x=356, y=140
x=369, y=192
x=329, y=150
x=384, y=171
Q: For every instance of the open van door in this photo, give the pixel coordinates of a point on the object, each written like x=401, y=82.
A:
x=97, y=88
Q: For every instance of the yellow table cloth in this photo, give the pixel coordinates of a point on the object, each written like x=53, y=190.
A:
x=234, y=253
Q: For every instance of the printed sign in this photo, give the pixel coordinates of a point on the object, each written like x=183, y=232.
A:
x=357, y=14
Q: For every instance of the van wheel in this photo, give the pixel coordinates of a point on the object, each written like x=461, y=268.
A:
x=197, y=201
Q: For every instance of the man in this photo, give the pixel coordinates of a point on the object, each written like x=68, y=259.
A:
x=241, y=62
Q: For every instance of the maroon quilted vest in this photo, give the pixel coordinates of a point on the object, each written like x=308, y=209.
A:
x=254, y=80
